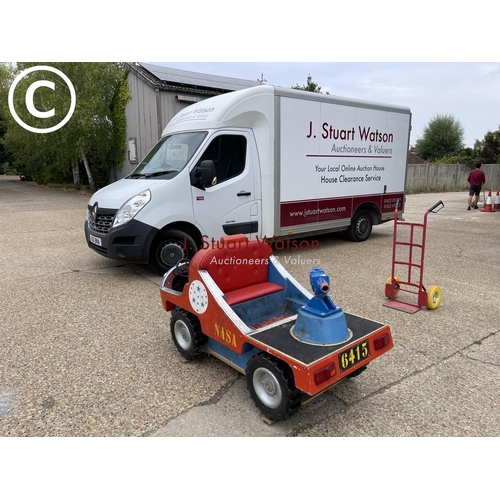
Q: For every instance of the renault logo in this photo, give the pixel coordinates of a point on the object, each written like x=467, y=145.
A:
x=94, y=212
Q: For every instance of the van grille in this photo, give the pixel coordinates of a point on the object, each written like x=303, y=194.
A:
x=103, y=222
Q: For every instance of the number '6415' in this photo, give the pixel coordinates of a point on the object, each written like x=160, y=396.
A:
x=354, y=355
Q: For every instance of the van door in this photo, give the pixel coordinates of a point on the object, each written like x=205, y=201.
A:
x=229, y=206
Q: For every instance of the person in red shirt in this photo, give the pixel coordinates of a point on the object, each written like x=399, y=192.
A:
x=476, y=179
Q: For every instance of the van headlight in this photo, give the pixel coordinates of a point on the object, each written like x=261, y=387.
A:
x=131, y=208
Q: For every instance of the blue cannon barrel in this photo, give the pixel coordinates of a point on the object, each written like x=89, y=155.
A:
x=320, y=321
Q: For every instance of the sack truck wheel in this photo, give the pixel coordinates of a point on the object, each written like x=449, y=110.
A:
x=395, y=286
x=271, y=387
x=433, y=297
x=186, y=334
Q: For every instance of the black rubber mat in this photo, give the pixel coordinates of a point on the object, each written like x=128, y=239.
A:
x=280, y=338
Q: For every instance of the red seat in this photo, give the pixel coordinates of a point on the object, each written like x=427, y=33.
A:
x=251, y=292
x=240, y=268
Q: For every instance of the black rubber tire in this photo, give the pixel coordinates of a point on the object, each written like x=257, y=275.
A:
x=186, y=334
x=361, y=226
x=169, y=247
x=271, y=387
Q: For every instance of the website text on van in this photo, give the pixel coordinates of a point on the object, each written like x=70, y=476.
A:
x=266, y=162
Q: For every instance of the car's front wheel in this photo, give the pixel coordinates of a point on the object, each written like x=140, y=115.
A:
x=186, y=334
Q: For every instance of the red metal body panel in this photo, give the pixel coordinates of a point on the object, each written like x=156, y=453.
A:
x=329, y=209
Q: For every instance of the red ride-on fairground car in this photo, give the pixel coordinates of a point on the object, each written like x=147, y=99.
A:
x=410, y=262
x=238, y=303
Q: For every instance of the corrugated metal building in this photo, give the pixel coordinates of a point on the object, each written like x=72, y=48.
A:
x=159, y=93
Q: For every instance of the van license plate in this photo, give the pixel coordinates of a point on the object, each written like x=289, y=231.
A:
x=95, y=240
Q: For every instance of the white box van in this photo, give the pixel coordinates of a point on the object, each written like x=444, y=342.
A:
x=266, y=162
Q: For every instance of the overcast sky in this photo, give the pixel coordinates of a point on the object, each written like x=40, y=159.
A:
x=468, y=91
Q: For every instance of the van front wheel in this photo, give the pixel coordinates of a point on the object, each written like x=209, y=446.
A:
x=170, y=247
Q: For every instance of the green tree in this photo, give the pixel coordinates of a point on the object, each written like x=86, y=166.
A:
x=310, y=86
x=95, y=134
x=466, y=156
x=443, y=136
x=6, y=76
x=490, y=147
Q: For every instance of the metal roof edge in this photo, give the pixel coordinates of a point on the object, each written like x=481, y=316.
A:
x=203, y=88
x=156, y=82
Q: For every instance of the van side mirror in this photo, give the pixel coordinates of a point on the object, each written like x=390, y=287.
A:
x=204, y=175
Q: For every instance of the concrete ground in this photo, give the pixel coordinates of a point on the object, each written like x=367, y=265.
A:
x=85, y=348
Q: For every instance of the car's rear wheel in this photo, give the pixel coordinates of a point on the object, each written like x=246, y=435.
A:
x=271, y=387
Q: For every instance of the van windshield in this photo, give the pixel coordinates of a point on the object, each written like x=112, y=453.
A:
x=170, y=155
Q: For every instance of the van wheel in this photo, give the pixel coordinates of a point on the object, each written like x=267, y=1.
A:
x=170, y=247
x=361, y=226
x=271, y=387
